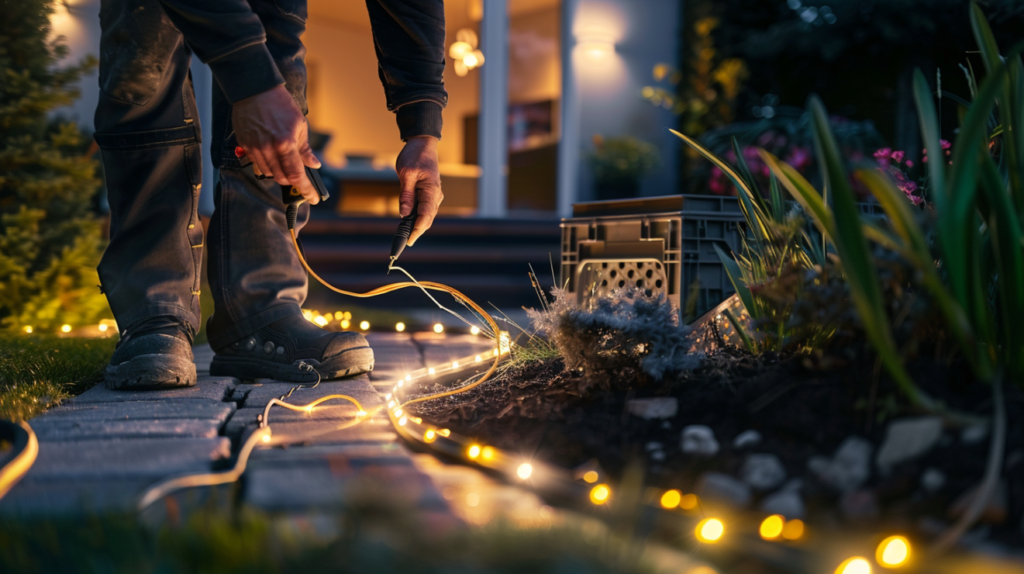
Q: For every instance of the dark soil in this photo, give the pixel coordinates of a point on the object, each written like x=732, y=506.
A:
x=801, y=406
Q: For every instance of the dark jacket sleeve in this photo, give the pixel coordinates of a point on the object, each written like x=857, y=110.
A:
x=408, y=36
x=227, y=35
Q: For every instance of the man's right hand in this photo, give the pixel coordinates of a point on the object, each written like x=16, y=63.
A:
x=274, y=134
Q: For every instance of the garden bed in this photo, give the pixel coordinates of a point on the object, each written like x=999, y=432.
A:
x=803, y=410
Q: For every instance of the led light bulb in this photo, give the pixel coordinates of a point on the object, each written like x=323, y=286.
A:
x=893, y=552
x=364, y=325
x=438, y=328
x=793, y=529
x=710, y=530
x=28, y=329
x=400, y=326
x=671, y=499
x=320, y=320
x=430, y=371
x=103, y=327
x=266, y=438
x=524, y=471
x=402, y=421
x=688, y=502
x=429, y=436
x=600, y=494
x=590, y=477
x=66, y=328
x=771, y=527
x=487, y=453
x=474, y=451
x=398, y=412
x=478, y=358
x=345, y=323
x=455, y=364
x=855, y=565
x=474, y=330
x=361, y=413
x=408, y=377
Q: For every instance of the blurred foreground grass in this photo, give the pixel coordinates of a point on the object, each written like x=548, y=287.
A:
x=39, y=371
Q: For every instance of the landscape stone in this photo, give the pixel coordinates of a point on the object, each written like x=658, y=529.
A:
x=715, y=486
x=763, y=471
x=698, y=440
x=849, y=466
x=974, y=434
x=653, y=445
x=658, y=455
x=212, y=388
x=747, y=439
x=144, y=458
x=786, y=501
x=653, y=408
x=205, y=409
x=932, y=479
x=67, y=428
x=906, y=439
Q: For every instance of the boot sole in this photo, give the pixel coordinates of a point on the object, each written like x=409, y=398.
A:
x=151, y=372
x=337, y=367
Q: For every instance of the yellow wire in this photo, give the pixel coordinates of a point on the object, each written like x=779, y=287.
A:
x=12, y=472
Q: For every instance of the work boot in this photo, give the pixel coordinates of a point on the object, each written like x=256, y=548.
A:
x=155, y=353
x=293, y=349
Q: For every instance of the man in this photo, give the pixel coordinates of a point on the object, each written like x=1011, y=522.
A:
x=147, y=128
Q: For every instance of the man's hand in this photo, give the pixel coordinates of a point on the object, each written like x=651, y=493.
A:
x=274, y=134
x=420, y=181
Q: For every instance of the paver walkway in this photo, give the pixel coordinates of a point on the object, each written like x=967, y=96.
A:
x=100, y=450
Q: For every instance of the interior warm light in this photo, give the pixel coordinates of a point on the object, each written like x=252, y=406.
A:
x=525, y=470
x=320, y=320
x=855, y=565
x=600, y=494
x=438, y=328
x=590, y=476
x=429, y=436
x=793, y=529
x=103, y=327
x=596, y=44
x=487, y=453
x=66, y=328
x=688, y=502
x=474, y=451
x=671, y=499
x=474, y=330
x=710, y=530
x=893, y=552
x=364, y=325
x=771, y=527
x=399, y=326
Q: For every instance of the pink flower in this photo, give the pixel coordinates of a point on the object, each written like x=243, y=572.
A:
x=915, y=199
x=910, y=163
x=925, y=158
x=897, y=155
x=883, y=154
x=945, y=144
x=909, y=187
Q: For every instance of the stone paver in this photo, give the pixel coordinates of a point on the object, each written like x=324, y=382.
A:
x=69, y=428
x=151, y=459
x=210, y=388
x=141, y=410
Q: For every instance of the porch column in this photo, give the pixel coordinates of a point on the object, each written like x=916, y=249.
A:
x=569, y=117
x=492, y=191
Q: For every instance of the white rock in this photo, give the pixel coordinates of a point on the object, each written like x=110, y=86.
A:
x=658, y=455
x=932, y=479
x=698, y=440
x=786, y=501
x=763, y=471
x=974, y=434
x=849, y=466
x=715, y=486
x=654, y=408
x=906, y=439
x=747, y=438
x=653, y=446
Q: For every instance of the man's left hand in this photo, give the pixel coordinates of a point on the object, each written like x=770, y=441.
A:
x=420, y=181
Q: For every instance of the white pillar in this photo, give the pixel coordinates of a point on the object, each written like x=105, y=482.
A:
x=569, y=118
x=492, y=189
x=202, y=84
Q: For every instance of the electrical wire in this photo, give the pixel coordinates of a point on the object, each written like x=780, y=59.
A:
x=24, y=443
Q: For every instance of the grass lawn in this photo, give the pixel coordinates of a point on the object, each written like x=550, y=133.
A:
x=39, y=371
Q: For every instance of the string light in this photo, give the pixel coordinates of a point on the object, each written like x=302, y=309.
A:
x=408, y=377
x=855, y=565
x=487, y=453
x=793, y=529
x=28, y=329
x=364, y=325
x=455, y=364
x=590, y=476
x=474, y=330
x=345, y=323
x=429, y=436
x=66, y=328
x=893, y=552
x=524, y=471
x=430, y=371
x=320, y=320
x=361, y=413
x=473, y=452
x=688, y=502
x=266, y=438
x=402, y=421
x=671, y=499
x=103, y=327
x=438, y=328
x=710, y=530
x=400, y=326
x=478, y=359
x=600, y=494
x=771, y=527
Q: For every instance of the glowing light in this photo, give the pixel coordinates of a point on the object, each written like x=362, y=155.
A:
x=473, y=452
x=408, y=377
x=671, y=499
x=364, y=325
x=470, y=60
x=793, y=529
x=399, y=326
x=710, y=530
x=595, y=43
x=430, y=371
x=398, y=412
x=402, y=421
x=455, y=364
x=893, y=552
x=266, y=438
x=429, y=436
x=307, y=314
x=339, y=315
x=688, y=502
x=66, y=328
x=495, y=352
x=399, y=385
x=478, y=358
x=855, y=565
x=391, y=404
x=472, y=499
x=590, y=476
x=320, y=320
x=458, y=50
x=345, y=323
x=474, y=330
x=28, y=329
x=309, y=409
x=525, y=470
x=361, y=413
x=600, y=494
x=387, y=397
x=444, y=432
x=438, y=328
x=504, y=341
x=771, y=527
x=103, y=327
x=487, y=453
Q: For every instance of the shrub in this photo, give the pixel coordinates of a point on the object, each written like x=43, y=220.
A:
x=50, y=240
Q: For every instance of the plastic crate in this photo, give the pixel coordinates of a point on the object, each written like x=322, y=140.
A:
x=660, y=244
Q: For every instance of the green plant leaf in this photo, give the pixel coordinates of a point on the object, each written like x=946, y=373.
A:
x=804, y=193
x=732, y=270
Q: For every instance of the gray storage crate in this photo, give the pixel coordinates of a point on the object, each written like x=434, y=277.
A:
x=662, y=244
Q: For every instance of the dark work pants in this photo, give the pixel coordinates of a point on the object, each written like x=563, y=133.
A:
x=147, y=128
